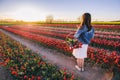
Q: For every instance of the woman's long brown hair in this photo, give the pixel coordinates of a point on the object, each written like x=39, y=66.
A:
x=86, y=20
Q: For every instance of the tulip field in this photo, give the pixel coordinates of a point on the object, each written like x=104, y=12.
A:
x=23, y=64
x=104, y=50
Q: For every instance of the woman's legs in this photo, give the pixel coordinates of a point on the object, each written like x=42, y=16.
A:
x=80, y=63
x=78, y=66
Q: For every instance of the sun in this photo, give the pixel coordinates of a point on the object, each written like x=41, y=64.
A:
x=29, y=13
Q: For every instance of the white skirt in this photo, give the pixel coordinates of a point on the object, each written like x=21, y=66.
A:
x=80, y=52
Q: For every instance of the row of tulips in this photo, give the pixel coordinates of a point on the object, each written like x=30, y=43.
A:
x=108, y=33
x=106, y=61
x=93, y=53
x=96, y=42
x=64, y=30
x=107, y=26
x=108, y=37
x=67, y=30
x=74, y=25
x=23, y=64
x=42, y=39
x=102, y=41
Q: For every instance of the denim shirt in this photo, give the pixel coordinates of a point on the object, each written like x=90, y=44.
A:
x=83, y=35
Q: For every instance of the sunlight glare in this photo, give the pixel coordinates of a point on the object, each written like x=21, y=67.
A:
x=29, y=13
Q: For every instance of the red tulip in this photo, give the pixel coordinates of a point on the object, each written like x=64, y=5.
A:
x=64, y=78
x=14, y=73
x=25, y=77
x=33, y=77
x=73, y=77
x=39, y=78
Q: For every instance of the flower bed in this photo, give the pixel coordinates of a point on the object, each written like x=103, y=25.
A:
x=23, y=64
x=100, y=41
x=99, y=56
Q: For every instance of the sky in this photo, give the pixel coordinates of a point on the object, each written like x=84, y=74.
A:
x=33, y=10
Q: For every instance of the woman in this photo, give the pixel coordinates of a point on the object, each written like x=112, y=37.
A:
x=83, y=34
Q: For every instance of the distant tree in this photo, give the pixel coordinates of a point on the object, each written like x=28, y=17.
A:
x=49, y=19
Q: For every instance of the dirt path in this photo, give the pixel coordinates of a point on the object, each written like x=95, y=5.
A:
x=62, y=61
x=4, y=74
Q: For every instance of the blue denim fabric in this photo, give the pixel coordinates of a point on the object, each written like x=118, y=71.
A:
x=83, y=35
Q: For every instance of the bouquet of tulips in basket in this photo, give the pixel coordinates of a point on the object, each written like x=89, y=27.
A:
x=72, y=43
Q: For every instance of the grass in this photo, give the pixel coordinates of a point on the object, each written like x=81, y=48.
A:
x=12, y=23
x=107, y=23
x=64, y=22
